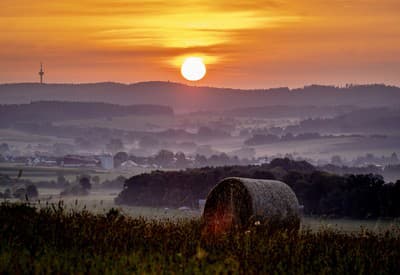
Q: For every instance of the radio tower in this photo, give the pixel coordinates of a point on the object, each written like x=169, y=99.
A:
x=41, y=73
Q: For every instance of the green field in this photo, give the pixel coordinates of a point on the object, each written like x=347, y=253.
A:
x=54, y=240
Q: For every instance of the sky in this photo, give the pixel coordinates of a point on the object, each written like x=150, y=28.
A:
x=245, y=44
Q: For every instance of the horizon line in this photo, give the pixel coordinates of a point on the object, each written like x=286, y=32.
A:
x=343, y=86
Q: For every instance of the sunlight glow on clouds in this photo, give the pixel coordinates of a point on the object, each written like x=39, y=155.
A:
x=246, y=43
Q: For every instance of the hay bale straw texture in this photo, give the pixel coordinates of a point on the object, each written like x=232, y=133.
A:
x=242, y=201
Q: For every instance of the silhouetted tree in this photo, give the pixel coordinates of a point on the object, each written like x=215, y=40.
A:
x=200, y=160
x=4, y=148
x=181, y=161
x=84, y=182
x=164, y=158
x=119, y=158
x=31, y=191
x=61, y=180
x=96, y=179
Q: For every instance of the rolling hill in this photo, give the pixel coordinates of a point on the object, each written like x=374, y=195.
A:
x=191, y=98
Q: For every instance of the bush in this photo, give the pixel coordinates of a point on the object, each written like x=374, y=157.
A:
x=31, y=191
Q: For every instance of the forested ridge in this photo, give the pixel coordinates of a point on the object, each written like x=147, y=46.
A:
x=47, y=111
x=321, y=193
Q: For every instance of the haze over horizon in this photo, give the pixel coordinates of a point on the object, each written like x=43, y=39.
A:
x=200, y=85
x=270, y=43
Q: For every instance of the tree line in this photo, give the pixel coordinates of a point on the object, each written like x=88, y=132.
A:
x=321, y=193
x=45, y=111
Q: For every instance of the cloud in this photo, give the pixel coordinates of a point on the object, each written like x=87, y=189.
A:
x=241, y=36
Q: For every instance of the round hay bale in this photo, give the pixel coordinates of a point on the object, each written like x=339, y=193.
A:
x=238, y=202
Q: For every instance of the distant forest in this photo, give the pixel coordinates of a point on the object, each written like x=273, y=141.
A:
x=285, y=111
x=321, y=193
x=363, y=120
x=190, y=98
x=48, y=111
x=378, y=121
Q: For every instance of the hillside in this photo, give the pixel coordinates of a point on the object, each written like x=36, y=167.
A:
x=50, y=111
x=191, y=98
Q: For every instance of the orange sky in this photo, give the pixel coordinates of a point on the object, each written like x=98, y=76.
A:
x=267, y=44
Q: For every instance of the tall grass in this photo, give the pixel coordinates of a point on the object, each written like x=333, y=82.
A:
x=54, y=240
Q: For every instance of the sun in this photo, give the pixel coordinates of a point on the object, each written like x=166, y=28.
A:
x=193, y=69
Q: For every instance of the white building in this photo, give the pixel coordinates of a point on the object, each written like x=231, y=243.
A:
x=107, y=162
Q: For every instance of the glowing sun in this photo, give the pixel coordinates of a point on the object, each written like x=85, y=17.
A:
x=193, y=69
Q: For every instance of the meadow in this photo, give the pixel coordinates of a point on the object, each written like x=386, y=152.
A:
x=38, y=174
x=100, y=201
x=53, y=239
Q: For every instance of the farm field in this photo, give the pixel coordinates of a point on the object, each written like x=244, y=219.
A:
x=130, y=122
x=100, y=201
x=54, y=240
x=349, y=147
x=36, y=174
x=21, y=138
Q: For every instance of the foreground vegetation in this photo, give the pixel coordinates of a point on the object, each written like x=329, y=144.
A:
x=53, y=240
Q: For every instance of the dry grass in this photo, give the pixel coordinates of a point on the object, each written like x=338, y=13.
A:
x=54, y=240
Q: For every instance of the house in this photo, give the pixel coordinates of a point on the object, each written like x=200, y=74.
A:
x=79, y=161
x=126, y=165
